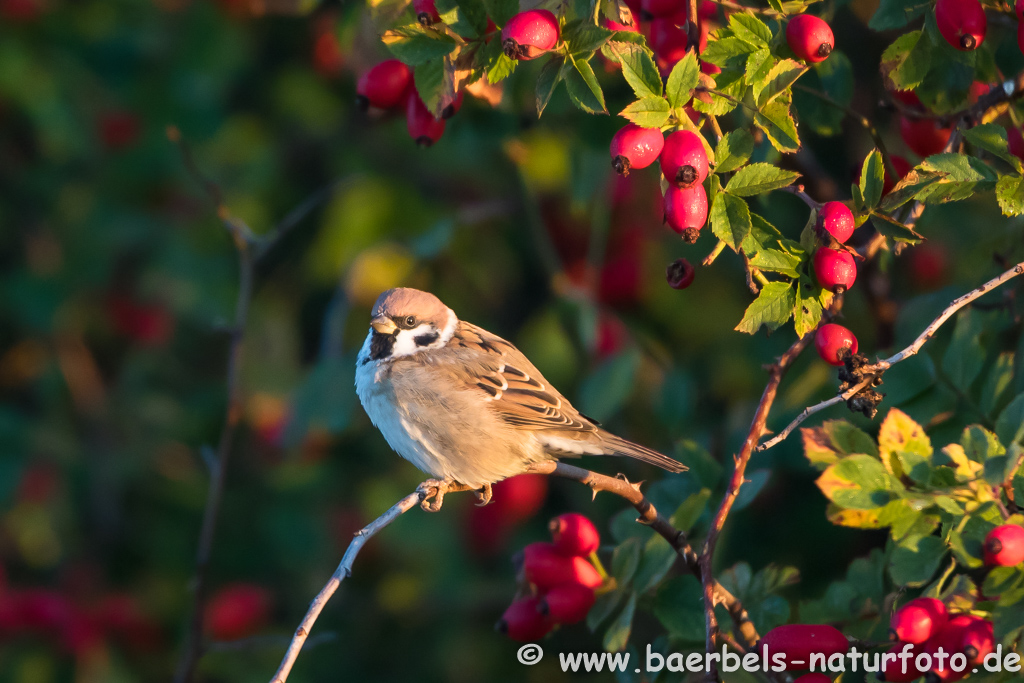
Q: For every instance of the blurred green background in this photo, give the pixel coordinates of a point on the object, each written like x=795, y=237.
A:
x=118, y=283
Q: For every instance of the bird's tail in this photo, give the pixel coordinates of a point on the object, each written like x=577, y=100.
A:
x=620, y=446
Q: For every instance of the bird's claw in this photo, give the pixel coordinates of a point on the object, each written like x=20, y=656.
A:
x=434, y=490
x=484, y=495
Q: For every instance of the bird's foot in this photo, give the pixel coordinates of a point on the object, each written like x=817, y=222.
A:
x=434, y=490
x=484, y=495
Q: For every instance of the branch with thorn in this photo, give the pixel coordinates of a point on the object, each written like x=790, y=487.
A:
x=872, y=372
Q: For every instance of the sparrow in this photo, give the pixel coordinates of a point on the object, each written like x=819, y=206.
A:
x=464, y=405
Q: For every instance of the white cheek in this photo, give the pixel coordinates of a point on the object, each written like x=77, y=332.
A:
x=405, y=341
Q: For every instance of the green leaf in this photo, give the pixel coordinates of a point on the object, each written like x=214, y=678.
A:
x=414, y=44
x=751, y=29
x=638, y=68
x=777, y=123
x=733, y=150
x=604, y=392
x=657, y=560
x=584, y=90
x=772, y=308
x=872, y=178
x=720, y=51
x=979, y=444
x=781, y=77
x=905, y=63
x=679, y=607
x=991, y=137
x=896, y=13
x=730, y=219
x=603, y=608
x=500, y=11
x=1010, y=195
x=501, y=68
x=583, y=37
x=468, y=18
x=834, y=78
x=897, y=434
x=683, y=79
x=625, y=560
x=907, y=188
x=759, y=178
x=617, y=635
x=999, y=378
x=429, y=80
x=547, y=81
x=858, y=482
x=777, y=261
x=649, y=112
x=913, y=563
x=807, y=310
x=965, y=357
x=759, y=65
x=691, y=509
x=1010, y=425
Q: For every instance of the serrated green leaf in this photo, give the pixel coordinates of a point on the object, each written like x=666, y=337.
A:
x=991, y=137
x=959, y=167
x=649, y=112
x=751, y=29
x=429, y=80
x=781, y=77
x=896, y=13
x=807, y=310
x=730, y=219
x=965, y=356
x=720, y=51
x=777, y=123
x=776, y=261
x=914, y=562
x=759, y=65
x=682, y=80
x=501, y=68
x=583, y=37
x=468, y=18
x=914, y=182
x=759, y=178
x=584, y=90
x=414, y=44
x=1010, y=195
x=872, y=179
x=547, y=81
x=772, y=308
x=905, y=63
x=733, y=150
x=638, y=68
x=858, y=482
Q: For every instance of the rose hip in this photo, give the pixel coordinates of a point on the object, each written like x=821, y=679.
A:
x=635, y=147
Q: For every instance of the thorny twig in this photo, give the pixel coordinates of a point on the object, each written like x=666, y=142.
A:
x=871, y=372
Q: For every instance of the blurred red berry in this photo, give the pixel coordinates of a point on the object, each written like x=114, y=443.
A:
x=924, y=136
x=384, y=86
x=928, y=265
x=119, y=130
x=421, y=124
x=121, y=616
x=237, y=611
x=1015, y=139
x=918, y=620
x=799, y=641
x=545, y=567
x=148, y=324
x=650, y=9
x=514, y=501
x=20, y=11
x=328, y=58
x=893, y=671
x=567, y=603
x=1004, y=546
x=524, y=621
x=574, y=534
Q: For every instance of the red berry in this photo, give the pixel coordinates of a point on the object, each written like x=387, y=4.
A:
x=635, y=147
x=237, y=611
x=524, y=621
x=707, y=11
x=1016, y=142
x=928, y=265
x=810, y=38
x=830, y=339
x=567, y=603
x=20, y=10
x=686, y=210
x=121, y=616
x=1018, y=9
x=893, y=672
x=978, y=640
x=545, y=567
x=574, y=534
x=650, y=9
x=421, y=124
x=384, y=85
x=1004, y=546
x=616, y=26
x=683, y=159
x=951, y=639
x=836, y=219
x=816, y=677
x=680, y=274
x=836, y=270
x=529, y=34
x=907, y=97
x=961, y=22
x=426, y=12
x=669, y=43
x=612, y=335
x=799, y=641
x=924, y=136
x=453, y=108
x=328, y=59
x=919, y=619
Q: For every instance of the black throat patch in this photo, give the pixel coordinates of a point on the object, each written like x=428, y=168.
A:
x=381, y=345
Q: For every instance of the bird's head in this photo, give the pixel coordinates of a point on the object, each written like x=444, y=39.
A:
x=407, y=321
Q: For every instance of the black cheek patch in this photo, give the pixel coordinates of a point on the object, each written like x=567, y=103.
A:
x=381, y=345
x=426, y=339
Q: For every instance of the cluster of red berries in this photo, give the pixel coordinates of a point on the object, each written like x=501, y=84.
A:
x=926, y=625
x=836, y=271
x=557, y=581
x=389, y=85
x=659, y=21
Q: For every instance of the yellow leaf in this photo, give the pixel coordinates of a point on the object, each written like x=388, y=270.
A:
x=899, y=433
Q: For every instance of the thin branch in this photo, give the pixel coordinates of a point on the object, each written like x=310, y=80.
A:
x=881, y=366
x=298, y=214
x=798, y=190
x=757, y=427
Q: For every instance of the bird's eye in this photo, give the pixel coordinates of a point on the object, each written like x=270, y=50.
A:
x=410, y=321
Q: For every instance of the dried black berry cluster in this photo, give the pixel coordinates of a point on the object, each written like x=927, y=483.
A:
x=856, y=368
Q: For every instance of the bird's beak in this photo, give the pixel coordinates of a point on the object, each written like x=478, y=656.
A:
x=383, y=325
